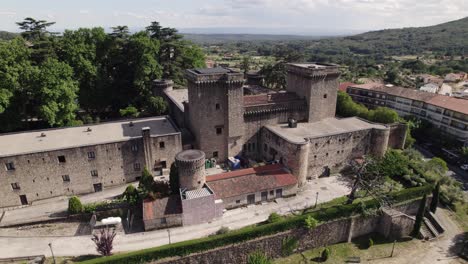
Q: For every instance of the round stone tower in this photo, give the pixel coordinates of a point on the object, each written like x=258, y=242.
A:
x=191, y=167
x=161, y=86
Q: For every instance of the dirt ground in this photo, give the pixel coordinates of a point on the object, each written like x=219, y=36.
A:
x=52, y=229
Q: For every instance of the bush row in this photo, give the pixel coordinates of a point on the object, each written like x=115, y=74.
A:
x=248, y=233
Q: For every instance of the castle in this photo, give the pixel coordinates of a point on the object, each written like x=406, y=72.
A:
x=296, y=127
x=214, y=118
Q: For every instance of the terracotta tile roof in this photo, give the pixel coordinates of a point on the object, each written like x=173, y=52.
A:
x=447, y=102
x=160, y=208
x=345, y=85
x=262, y=99
x=246, y=181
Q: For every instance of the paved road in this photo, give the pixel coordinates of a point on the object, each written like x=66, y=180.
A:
x=328, y=188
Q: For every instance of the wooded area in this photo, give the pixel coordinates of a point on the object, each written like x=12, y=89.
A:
x=86, y=75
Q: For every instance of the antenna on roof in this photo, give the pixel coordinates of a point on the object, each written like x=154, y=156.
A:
x=43, y=134
x=130, y=124
x=89, y=129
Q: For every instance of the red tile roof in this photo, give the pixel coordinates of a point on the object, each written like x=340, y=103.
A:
x=159, y=208
x=252, y=180
x=345, y=85
x=444, y=101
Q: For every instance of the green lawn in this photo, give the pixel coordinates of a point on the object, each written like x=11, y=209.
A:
x=340, y=253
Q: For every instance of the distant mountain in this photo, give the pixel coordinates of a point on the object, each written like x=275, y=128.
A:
x=450, y=37
x=5, y=35
x=222, y=38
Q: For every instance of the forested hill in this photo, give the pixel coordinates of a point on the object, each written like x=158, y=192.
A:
x=5, y=35
x=450, y=37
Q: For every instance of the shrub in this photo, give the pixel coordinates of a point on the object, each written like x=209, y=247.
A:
x=310, y=222
x=131, y=195
x=222, y=230
x=104, y=241
x=288, y=246
x=325, y=254
x=258, y=257
x=274, y=217
x=74, y=205
x=370, y=243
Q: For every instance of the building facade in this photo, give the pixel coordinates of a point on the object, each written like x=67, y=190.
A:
x=450, y=114
x=47, y=163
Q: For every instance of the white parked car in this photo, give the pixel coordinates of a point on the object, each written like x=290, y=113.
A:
x=464, y=167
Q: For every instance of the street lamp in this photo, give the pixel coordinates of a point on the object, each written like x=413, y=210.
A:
x=51, y=251
x=169, y=235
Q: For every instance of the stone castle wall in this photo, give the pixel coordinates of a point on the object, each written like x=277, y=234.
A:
x=323, y=235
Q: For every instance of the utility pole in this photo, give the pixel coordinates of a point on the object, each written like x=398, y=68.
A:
x=51, y=251
x=316, y=199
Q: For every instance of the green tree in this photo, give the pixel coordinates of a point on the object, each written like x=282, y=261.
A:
x=437, y=165
x=54, y=92
x=146, y=182
x=383, y=115
x=84, y=50
x=15, y=68
x=41, y=40
x=419, y=217
x=245, y=64
x=129, y=111
x=274, y=217
x=74, y=205
x=130, y=194
x=394, y=164
x=174, y=178
x=274, y=75
x=155, y=105
x=310, y=222
x=435, y=198
x=325, y=254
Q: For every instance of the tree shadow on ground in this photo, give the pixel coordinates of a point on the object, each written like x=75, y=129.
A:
x=84, y=229
x=84, y=258
x=459, y=246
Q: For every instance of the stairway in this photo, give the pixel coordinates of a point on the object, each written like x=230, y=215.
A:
x=428, y=232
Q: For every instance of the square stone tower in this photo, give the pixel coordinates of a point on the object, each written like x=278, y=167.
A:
x=318, y=84
x=216, y=110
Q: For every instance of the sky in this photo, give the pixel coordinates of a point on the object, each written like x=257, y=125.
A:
x=270, y=16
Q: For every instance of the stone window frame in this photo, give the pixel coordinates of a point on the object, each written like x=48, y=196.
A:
x=162, y=145
x=10, y=166
x=215, y=154
x=219, y=130
x=66, y=178
x=134, y=147
x=136, y=166
x=62, y=159
x=163, y=221
x=15, y=186
x=91, y=155
x=94, y=173
x=217, y=106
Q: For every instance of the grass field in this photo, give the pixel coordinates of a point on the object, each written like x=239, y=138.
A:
x=341, y=253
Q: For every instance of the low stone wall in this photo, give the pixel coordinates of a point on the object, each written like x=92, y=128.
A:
x=325, y=234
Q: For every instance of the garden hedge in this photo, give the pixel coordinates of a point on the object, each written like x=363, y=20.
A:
x=248, y=233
